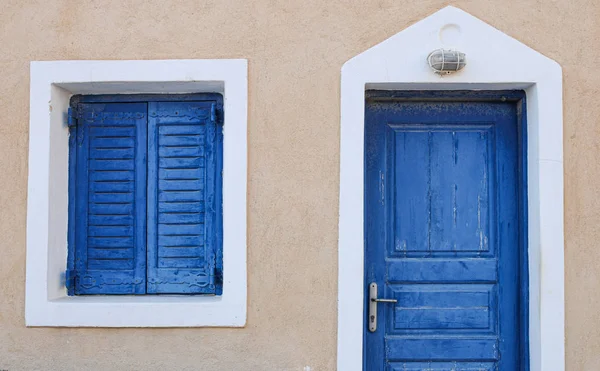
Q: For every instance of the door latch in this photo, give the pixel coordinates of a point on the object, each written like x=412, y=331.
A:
x=373, y=300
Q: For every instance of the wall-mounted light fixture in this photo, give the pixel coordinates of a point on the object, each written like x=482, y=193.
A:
x=445, y=61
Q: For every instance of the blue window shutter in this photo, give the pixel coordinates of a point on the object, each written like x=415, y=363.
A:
x=183, y=199
x=109, y=206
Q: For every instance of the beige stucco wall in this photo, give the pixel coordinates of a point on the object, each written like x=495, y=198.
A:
x=295, y=51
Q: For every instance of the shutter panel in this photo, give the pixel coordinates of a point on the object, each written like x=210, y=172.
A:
x=110, y=200
x=182, y=202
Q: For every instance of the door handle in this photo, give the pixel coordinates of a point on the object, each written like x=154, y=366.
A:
x=385, y=300
x=373, y=300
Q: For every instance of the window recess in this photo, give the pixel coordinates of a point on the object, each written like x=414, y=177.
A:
x=145, y=194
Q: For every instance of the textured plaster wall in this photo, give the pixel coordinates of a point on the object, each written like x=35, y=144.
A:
x=295, y=51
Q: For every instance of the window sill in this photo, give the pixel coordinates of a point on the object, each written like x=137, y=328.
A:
x=144, y=311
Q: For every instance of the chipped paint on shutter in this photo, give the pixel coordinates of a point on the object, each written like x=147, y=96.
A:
x=182, y=198
x=109, y=213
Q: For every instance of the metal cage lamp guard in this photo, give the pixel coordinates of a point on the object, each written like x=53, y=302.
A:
x=445, y=61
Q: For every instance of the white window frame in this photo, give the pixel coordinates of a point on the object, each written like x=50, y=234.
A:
x=52, y=85
x=495, y=61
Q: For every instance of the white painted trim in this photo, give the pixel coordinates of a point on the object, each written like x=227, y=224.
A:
x=52, y=84
x=494, y=61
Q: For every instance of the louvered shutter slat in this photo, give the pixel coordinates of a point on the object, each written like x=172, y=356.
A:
x=110, y=240
x=181, y=201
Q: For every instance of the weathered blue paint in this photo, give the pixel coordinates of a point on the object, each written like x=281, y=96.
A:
x=523, y=234
x=70, y=275
x=110, y=248
x=445, y=220
x=443, y=366
x=144, y=98
x=218, y=116
x=181, y=197
x=128, y=168
x=516, y=96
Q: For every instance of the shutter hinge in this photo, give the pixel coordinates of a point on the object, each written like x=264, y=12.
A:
x=216, y=113
x=70, y=277
x=218, y=276
x=72, y=117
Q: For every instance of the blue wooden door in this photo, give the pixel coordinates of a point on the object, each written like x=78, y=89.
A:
x=443, y=236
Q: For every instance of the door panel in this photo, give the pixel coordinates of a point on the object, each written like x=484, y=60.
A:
x=442, y=235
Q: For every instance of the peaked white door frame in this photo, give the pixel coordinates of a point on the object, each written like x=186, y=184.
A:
x=495, y=61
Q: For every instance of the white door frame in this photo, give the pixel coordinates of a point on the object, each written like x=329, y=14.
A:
x=495, y=61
